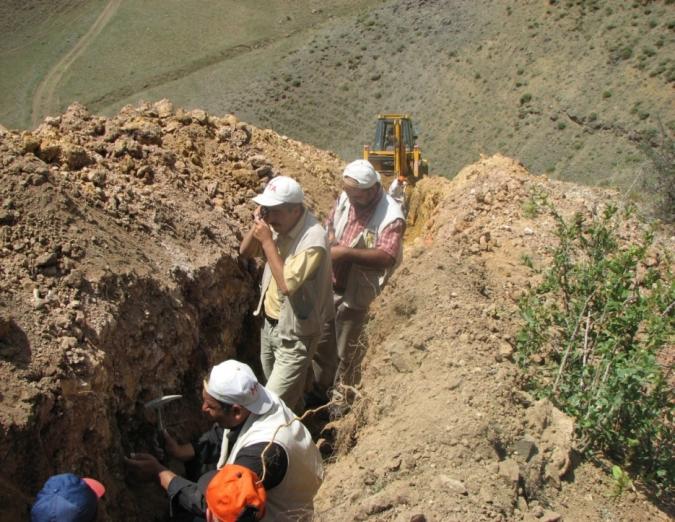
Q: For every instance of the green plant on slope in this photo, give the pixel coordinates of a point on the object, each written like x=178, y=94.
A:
x=621, y=481
x=600, y=318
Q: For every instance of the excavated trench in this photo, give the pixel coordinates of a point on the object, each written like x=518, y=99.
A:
x=120, y=282
x=157, y=340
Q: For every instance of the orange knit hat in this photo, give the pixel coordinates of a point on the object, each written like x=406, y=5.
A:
x=235, y=491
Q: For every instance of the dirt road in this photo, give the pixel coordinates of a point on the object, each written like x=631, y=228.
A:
x=44, y=94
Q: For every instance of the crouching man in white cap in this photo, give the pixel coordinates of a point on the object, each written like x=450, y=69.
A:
x=365, y=229
x=247, y=419
x=296, y=294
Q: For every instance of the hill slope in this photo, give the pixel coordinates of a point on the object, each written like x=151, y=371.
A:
x=573, y=89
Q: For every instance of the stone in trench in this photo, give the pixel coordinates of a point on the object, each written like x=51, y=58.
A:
x=526, y=447
x=509, y=470
x=453, y=485
x=46, y=259
x=550, y=516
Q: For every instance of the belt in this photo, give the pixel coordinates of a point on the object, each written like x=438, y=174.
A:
x=271, y=320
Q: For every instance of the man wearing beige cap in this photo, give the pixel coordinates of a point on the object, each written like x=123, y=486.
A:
x=251, y=426
x=365, y=230
x=295, y=294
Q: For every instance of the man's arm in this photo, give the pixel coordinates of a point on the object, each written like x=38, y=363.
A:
x=250, y=245
x=369, y=257
x=186, y=493
x=276, y=462
x=269, y=248
x=383, y=255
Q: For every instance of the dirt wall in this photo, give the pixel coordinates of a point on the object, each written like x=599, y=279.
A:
x=120, y=282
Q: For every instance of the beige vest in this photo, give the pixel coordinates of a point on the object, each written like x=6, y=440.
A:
x=293, y=498
x=304, y=313
x=363, y=283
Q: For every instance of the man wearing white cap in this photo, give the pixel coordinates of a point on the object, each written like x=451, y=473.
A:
x=295, y=294
x=247, y=418
x=365, y=229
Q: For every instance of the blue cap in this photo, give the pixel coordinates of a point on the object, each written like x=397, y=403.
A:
x=65, y=498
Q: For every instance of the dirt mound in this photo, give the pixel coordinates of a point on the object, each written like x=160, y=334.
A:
x=442, y=430
x=120, y=281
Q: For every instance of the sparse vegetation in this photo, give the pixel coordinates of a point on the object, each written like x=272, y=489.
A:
x=600, y=319
x=659, y=147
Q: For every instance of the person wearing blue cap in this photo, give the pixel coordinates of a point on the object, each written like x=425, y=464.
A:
x=67, y=498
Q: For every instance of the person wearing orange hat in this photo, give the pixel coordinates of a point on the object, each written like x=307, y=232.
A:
x=235, y=494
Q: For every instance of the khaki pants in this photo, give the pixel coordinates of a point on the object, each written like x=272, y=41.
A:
x=338, y=356
x=285, y=365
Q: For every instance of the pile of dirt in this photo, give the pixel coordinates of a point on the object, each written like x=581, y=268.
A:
x=442, y=430
x=120, y=282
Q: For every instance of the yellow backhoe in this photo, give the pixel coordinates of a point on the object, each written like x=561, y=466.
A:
x=395, y=153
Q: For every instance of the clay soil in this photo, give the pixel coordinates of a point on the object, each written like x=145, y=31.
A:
x=442, y=430
x=120, y=282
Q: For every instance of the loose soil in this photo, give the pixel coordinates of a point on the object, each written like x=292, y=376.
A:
x=121, y=282
x=442, y=430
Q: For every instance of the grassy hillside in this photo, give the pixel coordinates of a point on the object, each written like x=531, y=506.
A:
x=33, y=36
x=573, y=89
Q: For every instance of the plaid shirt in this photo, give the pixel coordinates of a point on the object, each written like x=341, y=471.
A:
x=388, y=241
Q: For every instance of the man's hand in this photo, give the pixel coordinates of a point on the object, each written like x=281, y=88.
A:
x=262, y=232
x=148, y=467
x=182, y=452
x=145, y=465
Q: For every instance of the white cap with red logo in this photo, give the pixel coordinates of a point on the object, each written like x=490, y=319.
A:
x=233, y=382
x=280, y=190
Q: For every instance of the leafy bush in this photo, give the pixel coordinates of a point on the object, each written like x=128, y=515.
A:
x=600, y=318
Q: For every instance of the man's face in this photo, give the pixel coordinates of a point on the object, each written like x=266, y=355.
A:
x=282, y=218
x=214, y=411
x=361, y=197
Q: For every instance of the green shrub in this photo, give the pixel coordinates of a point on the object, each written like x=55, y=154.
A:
x=561, y=125
x=525, y=98
x=535, y=202
x=607, y=94
x=648, y=52
x=600, y=318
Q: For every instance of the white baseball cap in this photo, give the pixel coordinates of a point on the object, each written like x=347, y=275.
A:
x=360, y=174
x=280, y=190
x=233, y=382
